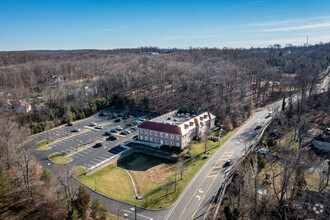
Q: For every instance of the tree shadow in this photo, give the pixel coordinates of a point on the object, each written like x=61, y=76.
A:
x=141, y=162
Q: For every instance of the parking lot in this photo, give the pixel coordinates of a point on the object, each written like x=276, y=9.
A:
x=65, y=141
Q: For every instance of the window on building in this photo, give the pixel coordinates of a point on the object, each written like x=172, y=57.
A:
x=156, y=140
x=146, y=138
x=151, y=139
x=141, y=130
x=172, y=143
x=156, y=133
x=141, y=137
x=166, y=135
x=150, y=132
x=166, y=142
x=178, y=137
x=161, y=134
x=146, y=132
x=177, y=144
x=172, y=136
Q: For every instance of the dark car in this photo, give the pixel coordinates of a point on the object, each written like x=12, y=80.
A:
x=102, y=114
x=97, y=145
x=128, y=124
x=118, y=120
x=135, y=137
x=112, y=137
x=120, y=115
x=228, y=162
x=114, y=130
x=123, y=133
x=108, y=133
x=125, y=117
x=258, y=127
x=70, y=124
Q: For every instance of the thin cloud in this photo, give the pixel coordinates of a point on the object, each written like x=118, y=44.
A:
x=113, y=29
x=289, y=21
x=189, y=37
x=297, y=28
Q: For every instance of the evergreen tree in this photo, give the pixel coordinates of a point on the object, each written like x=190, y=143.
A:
x=81, y=203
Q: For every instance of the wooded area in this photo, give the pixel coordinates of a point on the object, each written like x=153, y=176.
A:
x=229, y=83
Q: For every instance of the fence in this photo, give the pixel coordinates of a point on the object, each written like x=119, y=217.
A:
x=219, y=196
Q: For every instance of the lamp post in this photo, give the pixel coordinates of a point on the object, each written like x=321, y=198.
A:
x=220, y=134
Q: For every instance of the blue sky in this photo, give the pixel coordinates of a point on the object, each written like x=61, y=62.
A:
x=100, y=24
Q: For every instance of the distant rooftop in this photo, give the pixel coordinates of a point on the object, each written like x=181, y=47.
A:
x=176, y=117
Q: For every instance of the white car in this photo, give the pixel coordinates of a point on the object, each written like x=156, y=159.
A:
x=93, y=124
x=98, y=127
x=119, y=128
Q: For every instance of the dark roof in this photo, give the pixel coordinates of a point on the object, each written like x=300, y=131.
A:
x=156, y=126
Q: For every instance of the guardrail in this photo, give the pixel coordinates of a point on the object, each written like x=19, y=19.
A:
x=221, y=192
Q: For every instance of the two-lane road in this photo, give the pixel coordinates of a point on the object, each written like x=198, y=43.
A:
x=195, y=200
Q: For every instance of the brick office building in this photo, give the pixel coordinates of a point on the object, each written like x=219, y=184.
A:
x=176, y=128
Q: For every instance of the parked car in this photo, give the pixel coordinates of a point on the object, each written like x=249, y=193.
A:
x=113, y=116
x=102, y=114
x=93, y=124
x=112, y=137
x=70, y=124
x=135, y=122
x=97, y=145
x=108, y=133
x=127, y=131
x=119, y=128
x=76, y=130
x=131, y=130
x=123, y=133
x=129, y=124
x=125, y=117
x=98, y=127
x=136, y=137
x=229, y=162
x=142, y=119
x=118, y=120
x=114, y=130
x=120, y=115
x=134, y=128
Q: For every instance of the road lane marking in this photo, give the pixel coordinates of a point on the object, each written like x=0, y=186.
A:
x=192, y=217
x=137, y=214
x=200, y=186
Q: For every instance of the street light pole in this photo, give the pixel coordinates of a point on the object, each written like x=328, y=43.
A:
x=220, y=134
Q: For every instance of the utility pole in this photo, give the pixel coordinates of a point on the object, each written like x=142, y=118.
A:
x=95, y=184
x=135, y=212
x=175, y=183
x=220, y=134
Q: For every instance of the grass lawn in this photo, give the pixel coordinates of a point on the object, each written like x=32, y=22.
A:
x=110, y=181
x=59, y=158
x=151, y=175
x=42, y=145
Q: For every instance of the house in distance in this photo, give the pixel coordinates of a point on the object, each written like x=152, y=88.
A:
x=176, y=128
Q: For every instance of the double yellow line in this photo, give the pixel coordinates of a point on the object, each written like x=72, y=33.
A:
x=219, y=164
